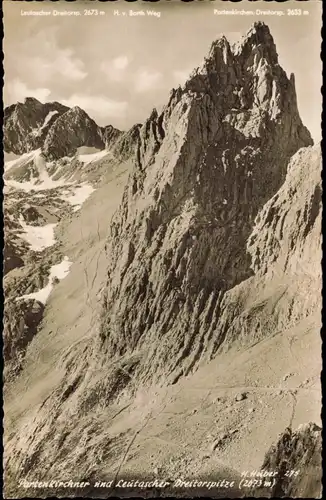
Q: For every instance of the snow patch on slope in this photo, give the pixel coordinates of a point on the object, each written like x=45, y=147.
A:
x=58, y=271
x=79, y=195
x=29, y=186
x=48, y=117
x=39, y=237
x=19, y=161
x=75, y=194
x=91, y=158
x=44, y=181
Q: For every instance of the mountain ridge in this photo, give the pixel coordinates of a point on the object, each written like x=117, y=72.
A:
x=32, y=124
x=216, y=137
x=194, y=289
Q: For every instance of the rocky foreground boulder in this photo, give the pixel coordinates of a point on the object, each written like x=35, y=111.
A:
x=297, y=459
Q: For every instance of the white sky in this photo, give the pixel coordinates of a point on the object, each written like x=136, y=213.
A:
x=119, y=68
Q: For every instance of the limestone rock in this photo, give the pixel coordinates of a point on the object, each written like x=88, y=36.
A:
x=216, y=244
x=125, y=144
x=57, y=130
x=110, y=135
x=72, y=130
x=241, y=396
x=204, y=168
x=297, y=458
x=285, y=249
x=21, y=320
x=27, y=124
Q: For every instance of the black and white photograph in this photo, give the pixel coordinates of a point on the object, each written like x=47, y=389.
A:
x=162, y=280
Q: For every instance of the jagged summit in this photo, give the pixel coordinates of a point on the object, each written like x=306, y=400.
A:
x=258, y=35
x=77, y=109
x=27, y=123
x=57, y=129
x=258, y=40
x=261, y=32
x=245, y=77
x=204, y=167
x=125, y=143
x=221, y=43
x=31, y=101
x=111, y=135
x=73, y=129
x=78, y=112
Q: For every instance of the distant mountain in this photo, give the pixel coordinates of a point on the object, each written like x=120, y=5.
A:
x=59, y=131
x=55, y=157
x=125, y=144
x=71, y=130
x=110, y=135
x=27, y=124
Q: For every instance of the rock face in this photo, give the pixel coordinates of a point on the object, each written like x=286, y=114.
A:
x=205, y=166
x=27, y=124
x=110, y=135
x=11, y=258
x=282, y=228
x=14, y=247
x=297, y=458
x=126, y=144
x=20, y=325
x=55, y=128
x=72, y=130
x=285, y=250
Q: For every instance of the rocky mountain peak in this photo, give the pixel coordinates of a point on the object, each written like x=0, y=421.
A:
x=53, y=127
x=258, y=38
x=110, y=135
x=208, y=283
x=204, y=167
x=31, y=101
x=78, y=113
x=219, y=47
x=124, y=145
x=27, y=124
x=72, y=130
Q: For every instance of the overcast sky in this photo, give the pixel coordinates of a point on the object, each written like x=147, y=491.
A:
x=118, y=68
